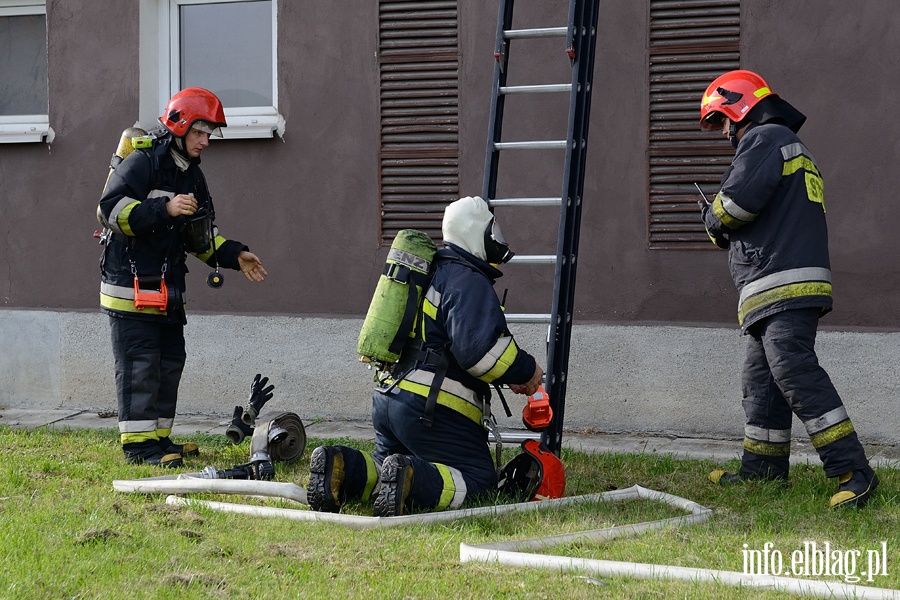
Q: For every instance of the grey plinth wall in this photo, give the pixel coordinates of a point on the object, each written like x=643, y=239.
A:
x=682, y=381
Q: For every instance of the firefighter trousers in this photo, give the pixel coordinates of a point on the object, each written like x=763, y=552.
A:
x=451, y=460
x=781, y=378
x=149, y=359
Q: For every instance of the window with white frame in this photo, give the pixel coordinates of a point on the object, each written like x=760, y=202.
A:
x=226, y=46
x=23, y=72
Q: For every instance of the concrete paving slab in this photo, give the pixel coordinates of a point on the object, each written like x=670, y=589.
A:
x=718, y=450
x=32, y=418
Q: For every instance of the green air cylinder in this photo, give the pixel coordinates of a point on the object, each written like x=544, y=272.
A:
x=392, y=313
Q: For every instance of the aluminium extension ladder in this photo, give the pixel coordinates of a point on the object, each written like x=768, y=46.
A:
x=580, y=43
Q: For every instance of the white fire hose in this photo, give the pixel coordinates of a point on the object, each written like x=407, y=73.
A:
x=513, y=552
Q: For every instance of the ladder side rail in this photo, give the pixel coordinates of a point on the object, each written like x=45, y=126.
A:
x=585, y=29
x=495, y=125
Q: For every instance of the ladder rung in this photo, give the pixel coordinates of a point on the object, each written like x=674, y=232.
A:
x=543, y=32
x=514, y=437
x=535, y=89
x=529, y=145
x=525, y=202
x=527, y=318
x=534, y=259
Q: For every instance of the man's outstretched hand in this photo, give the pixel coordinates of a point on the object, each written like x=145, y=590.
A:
x=251, y=266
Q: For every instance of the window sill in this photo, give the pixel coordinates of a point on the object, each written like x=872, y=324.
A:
x=25, y=131
x=257, y=126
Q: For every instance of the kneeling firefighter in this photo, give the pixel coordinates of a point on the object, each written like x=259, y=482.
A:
x=155, y=209
x=429, y=409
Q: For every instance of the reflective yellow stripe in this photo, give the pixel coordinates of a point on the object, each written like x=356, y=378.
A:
x=720, y=207
x=800, y=162
x=120, y=305
x=218, y=242
x=429, y=309
x=767, y=448
x=503, y=363
x=785, y=292
x=832, y=434
x=164, y=432
x=135, y=438
x=122, y=219
x=371, y=476
x=448, y=491
x=762, y=92
x=444, y=399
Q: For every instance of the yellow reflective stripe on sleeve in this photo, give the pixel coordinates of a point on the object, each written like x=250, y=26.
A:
x=429, y=309
x=118, y=217
x=785, y=292
x=496, y=361
x=729, y=213
x=444, y=399
x=218, y=241
x=503, y=363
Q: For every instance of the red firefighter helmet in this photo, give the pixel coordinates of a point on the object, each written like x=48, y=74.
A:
x=191, y=105
x=731, y=95
x=535, y=474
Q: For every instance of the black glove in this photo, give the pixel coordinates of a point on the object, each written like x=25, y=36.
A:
x=238, y=430
x=719, y=239
x=259, y=395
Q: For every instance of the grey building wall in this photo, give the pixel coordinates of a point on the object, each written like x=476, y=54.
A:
x=307, y=204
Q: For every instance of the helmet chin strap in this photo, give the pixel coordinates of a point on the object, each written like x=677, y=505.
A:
x=732, y=134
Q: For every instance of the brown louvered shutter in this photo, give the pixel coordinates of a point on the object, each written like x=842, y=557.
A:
x=418, y=58
x=691, y=43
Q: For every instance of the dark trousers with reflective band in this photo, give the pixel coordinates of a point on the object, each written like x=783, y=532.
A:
x=149, y=359
x=782, y=377
x=453, y=440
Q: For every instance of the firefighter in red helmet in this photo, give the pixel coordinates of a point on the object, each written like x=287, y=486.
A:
x=770, y=215
x=156, y=209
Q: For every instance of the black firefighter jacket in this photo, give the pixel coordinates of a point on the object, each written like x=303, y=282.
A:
x=145, y=239
x=463, y=321
x=770, y=214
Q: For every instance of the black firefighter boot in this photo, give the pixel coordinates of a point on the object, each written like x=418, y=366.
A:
x=151, y=453
x=855, y=488
x=185, y=449
x=396, y=483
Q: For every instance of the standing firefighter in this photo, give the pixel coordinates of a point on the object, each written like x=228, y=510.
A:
x=156, y=208
x=431, y=450
x=770, y=215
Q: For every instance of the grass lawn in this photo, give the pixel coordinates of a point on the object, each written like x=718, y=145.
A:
x=65, y=533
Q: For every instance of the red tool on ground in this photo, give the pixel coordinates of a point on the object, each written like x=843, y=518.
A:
x=537, y=413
